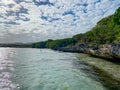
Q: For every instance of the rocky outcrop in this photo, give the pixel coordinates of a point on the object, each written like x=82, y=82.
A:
x=104, y=51
x=115, y=52
x=108, y=51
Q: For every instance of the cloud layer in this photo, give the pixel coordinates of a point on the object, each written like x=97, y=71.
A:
x=36, y=20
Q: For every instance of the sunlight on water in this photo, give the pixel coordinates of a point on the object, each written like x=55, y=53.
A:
x=36, y=69
x=7, y=69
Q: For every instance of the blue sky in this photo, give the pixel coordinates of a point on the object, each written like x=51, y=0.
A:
x=38, y=20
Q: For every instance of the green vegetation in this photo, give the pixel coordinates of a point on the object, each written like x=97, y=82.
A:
x=54, y=44
x=117, y=16
x=106, y=31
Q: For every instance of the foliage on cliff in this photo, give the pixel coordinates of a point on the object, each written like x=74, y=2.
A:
x=106, y=31
x=54, y=44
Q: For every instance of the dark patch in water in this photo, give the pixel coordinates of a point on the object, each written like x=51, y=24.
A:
x=98, y=75
x=116, y=60
x=107, y=80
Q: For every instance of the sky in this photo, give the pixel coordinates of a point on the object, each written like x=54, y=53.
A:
x=38, y=20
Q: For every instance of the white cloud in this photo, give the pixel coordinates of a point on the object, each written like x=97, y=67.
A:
x=28, y=21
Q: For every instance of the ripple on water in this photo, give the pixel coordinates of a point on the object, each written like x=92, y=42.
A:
x=6, y=70
x=36, y=69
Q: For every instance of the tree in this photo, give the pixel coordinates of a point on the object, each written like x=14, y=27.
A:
x=117, y=16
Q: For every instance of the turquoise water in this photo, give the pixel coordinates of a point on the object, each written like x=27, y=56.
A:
x=43, y=69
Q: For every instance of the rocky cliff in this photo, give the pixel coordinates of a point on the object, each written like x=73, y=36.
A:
x=108, y=51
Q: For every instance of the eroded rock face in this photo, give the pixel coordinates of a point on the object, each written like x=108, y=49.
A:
x=109, y=51
x=115, y=52
x=102, y=51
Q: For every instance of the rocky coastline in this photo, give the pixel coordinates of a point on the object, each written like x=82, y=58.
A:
x=107, y=51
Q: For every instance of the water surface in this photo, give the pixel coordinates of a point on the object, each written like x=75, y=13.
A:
x=43, y=69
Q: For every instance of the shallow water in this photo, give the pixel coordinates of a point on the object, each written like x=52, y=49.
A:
x=112, y=68
x=43, y=69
